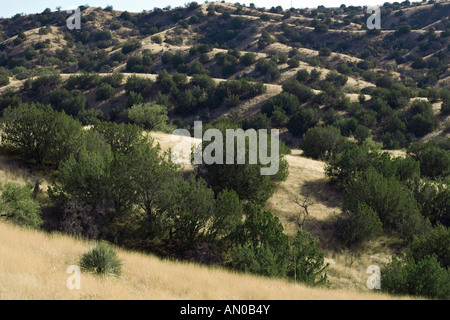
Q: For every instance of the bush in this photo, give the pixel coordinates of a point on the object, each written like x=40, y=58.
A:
x=323, y=142
x=395, y=205
x=131, y=45
x=324, y=52
x=115, y=79
x=302, y=121
x=248, y=59
x=434, y=161
x=436, y=243
x=18, y=206
x=302, y=75
x=293, y=63
x=83, y=81
x=106, y=91
x=361, y=225
x=150, y=116
x=418, y=278
x=139, y=85
x=101, y=260
x=302, y=92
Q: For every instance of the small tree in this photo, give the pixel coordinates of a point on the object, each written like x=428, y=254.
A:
x=307, y=263
x=361, y=225
x=150, y=116
x=17, y=205
x=418, y=278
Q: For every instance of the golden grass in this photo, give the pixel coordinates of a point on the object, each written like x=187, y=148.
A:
x=33, y=266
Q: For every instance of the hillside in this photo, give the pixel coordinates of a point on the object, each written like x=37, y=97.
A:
x=144, y=276
x=86, y=129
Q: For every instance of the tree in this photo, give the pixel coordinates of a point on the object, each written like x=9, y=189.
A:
x=395, y=205
x=106, y=91
x=323, y=142
x=303, y=120
x=307, y=263
x=359, y=226
x=40, y=133
x=436, y=243
x=418, y=278
x=321, y=28
x=227, y=216
x=190, y=206
x=434, y=161
x=261, y=246
x=302, y=92
x=246, y=179
x=18, y=206
x=150, y=116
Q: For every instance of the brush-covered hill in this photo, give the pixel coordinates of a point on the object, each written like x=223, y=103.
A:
x=363, y=116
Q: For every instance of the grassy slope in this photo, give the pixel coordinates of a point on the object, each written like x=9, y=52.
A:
x=33, y=266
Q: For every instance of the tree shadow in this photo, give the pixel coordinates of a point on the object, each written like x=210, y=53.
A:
x=321, y=191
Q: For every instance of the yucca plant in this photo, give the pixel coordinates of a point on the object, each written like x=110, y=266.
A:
x=101, y=260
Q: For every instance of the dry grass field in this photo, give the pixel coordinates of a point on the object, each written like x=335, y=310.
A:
x=33, y=265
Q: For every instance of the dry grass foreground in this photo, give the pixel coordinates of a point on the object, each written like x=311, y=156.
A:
x=33, y=266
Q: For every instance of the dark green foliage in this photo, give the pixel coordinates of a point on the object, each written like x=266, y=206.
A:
x=43, y=84
x=262, y=246
x=359, y=226
x=39, y=133
x=302, y=121
x=434, y=161
x=325, y=52
x=437, y=243
x=74, y=105
x=268, y=67
x=302, y=75
x=101, y=260
x=418, y=278
x=302, y=92
x=246, y=179
x=434, y=198
x=106, y=91
x=248, y=59
x=286, y=101
x=323, y=142
x=139, y=85
x=342, y=166
x=396, y=206
x=321, y=28
x=18, y=206
x=114, y=80
x=307, y=263
x=257, y=121
x=83, y=81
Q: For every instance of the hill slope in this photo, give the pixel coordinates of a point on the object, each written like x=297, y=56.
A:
x=28, y=256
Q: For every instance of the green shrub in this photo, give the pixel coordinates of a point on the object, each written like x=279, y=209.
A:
x=323, y=142
x=106, y=91
x=424, y=278
x=18, y=206
x=131, y=45
x=361, y=225
x=150, y=116
x=304, y=119
x=302, y=92
x=101, y=260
